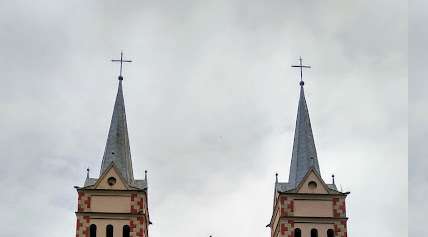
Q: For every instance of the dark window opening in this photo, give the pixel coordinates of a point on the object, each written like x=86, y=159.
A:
x=314, y=233
x=93, y=231
x=297, y=232
x=126, y=231
x=109, y=231
x=330, y=233
x=111, y=181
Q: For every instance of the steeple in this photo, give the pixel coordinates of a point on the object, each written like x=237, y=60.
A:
x=304, y=156
x=97, y=200
x=117, y=147
x=298, y=209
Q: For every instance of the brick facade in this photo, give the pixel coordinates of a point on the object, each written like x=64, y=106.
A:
x=137, y=203
x=138, y=226
x=84, y=202
x=339, y=208
x=286, y=206
x=339, y=211
x=286, y=221
x=340, y=229
x=286, y=228
x=137, y=215
x=82, y=226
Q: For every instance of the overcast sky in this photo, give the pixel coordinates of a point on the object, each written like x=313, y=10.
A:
x=211, y=105
x=418, y=130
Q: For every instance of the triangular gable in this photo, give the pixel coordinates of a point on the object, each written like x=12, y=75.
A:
x=111, y=172
x=312, y=183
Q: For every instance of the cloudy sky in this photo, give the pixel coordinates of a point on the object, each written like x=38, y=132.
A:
x=211, y=104
x=418, y=130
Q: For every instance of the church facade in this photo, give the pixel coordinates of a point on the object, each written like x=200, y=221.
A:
x=307, y=206
x=114, y=203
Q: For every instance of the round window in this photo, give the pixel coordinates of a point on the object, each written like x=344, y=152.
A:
x=111, y=181
x=312, y=185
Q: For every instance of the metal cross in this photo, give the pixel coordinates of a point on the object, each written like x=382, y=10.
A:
x=301, y=66
x=121, y=60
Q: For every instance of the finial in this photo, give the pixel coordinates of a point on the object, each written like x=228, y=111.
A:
x=276, y=177
x=87, y=172
x=332, y=176
x=145, y=174
x=121, y=60
x=301, y=66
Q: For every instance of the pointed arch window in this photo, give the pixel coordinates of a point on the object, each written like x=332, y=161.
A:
x=297, y=232
x=126, y=231
x=330, y=233
x=314, y=233
x=92, y=230
x=109, y=231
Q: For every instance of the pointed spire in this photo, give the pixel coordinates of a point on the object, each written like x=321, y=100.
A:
x=304, y=155
x=117, y=147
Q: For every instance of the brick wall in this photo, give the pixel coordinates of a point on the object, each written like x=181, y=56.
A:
x=340, y=229
x=138, y=226
x=82, y=226
x=286, y=228
x=286, y=206
x=137, y=203
x=84, y=202
x=339, y=208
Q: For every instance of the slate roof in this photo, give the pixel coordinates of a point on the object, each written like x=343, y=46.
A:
x=137, y=183
x=117, y=147
x=286, y=187
x=304, y=155
x=90, y=182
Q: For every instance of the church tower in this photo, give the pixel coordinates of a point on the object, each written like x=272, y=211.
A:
x=114, y=204
x=306, y=206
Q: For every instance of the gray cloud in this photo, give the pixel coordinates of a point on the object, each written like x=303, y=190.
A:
x=211, y=105
x=418, y=177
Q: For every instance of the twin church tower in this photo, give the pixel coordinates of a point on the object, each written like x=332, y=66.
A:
x=115, y=204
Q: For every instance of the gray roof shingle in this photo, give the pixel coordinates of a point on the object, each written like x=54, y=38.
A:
x=117, y=147
x=137, y=183
x=304, y=155
x=286, y=187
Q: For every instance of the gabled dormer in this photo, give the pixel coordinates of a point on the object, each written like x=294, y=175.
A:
x=111, y=179
x=312, y=183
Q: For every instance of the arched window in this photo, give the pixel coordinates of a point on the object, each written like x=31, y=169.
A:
x=314, y=233
x=126, y=231
x=297, y=232
x=109, y=231
x=93, y=231
x=330, y=233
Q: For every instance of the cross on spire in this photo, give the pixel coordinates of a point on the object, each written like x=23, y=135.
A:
x=301, y=66
x=121, y=60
